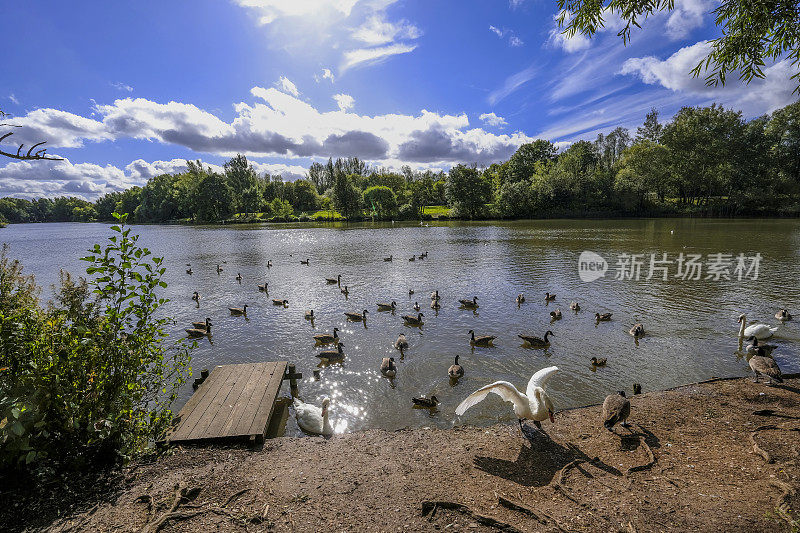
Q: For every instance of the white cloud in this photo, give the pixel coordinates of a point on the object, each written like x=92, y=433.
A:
x=513, y=40
x=13, y=99
x=376, y=30
x=270, y=10
x=497, y=31
x=512, y=83
x=122, y=87
x=366, y=56
x=344, y=101
x=326, y=74
x=515, y=3
x=493, y=120
x=285, y=85
x=687, y=16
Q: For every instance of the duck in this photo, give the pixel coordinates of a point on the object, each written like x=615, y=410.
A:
x=283, y=303
x=387, y=307
x=605, y=317
x=549, y=297
x=332, y=355
x=759, y=349
x=616, y=408
x=555, y=315
x=469, y=304
x=189, y=271
x=202, y=325
x=481, y=340
x=236, y=311
x=264, y=287
x=332, y=281
x=637, y=331
x=310, y=315
x=199, y=332
x=760, y=331
x=357, y=316
x=345, y=291
x=435, y=304
x=783, y=315
x=761, y=365
x=534, y=405
x=219, y=269
x=435, y=295
x=388, y=368
x=387, y=259
x=455, y=371
x=269, y=263
x=412, y=258
x=537, y=342
x=401, y=343
x=410, y=292
x=416, y=306
x=313, y=419
x=324, y=338
x=306, y=262
x=599, y=361
x=412, y=320
x=239, y=277
x=196, y=296
x=575, y=306
x=422, y=401
x=520, y=299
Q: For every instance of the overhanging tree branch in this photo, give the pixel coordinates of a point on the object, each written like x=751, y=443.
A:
x=30, y=155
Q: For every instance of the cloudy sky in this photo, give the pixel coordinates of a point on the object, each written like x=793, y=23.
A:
x=128, y=90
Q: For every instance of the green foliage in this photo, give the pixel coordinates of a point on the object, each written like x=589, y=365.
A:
x=213, y=198
x=346, y=197
x=305, y=196
x=88, y=379
x=381, y=200
x=467, y=191
x=280, y=209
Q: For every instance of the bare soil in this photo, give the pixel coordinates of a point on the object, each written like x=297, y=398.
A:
x=715, y=456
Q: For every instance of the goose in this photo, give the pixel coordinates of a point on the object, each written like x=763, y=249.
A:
x=534, y=405
x=555, y=315
x=412, y=320
x=455, y=371
x=387, y=307
x=196, y=296
x=332, y=281
x=435, y=304
x=238, y=310
x=199, y=332
x=310, y=315
x=605, y=317
x=219, y=269
x=269, y=263
x=324, y=338
x=469, y=304
x=202, y=325
x=313, y=419
x=387, y=258
x=264, y=287
x=357, y=316
x=760, y=331
x=616, y=408
x=575, y=306
x=637, y=331
x=410, y=292
x=520, y=299
x=239, y=277
x=304, y=262
x=435, y=295
x=345, y=291
x=332, y=355
x=284, y=303
x=549, y=297
x=412, y=258
x=637, y=388
x=481, y=340
x=783, y=315
x=401, y=343
x=761, y=365
x=599, y=361
x=189, y=271
x=416, y=307
x=425, y=254
x=422, y=401
x=537, y=342
x=388, y=368
x=759, y=349
x=421, y=257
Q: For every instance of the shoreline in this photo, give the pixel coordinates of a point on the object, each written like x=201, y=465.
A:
x=719, y=452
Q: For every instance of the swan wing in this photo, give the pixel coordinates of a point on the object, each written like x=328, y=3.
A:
x=504, y=389
x=539, y=379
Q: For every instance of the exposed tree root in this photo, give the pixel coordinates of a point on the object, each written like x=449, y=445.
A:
x=430, y=506
x=758, y=450
x=651, y=458
x=540, y=516
x=784, y=509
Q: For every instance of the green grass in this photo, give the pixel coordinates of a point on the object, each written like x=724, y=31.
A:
x=436, y=211
x=326, y=215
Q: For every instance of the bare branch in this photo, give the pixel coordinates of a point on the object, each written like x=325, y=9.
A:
x=30, y=155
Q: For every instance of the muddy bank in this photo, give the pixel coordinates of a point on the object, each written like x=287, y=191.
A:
x=700, y=457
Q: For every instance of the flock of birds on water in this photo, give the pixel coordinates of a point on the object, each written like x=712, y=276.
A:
x=534, y=404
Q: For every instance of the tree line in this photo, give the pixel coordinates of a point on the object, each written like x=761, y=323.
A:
x=704, y=161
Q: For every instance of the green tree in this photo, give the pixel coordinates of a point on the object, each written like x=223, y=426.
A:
x=783, y=132
x=644, y=169
x=241, y=176
x=346, y=197
x=305, y=196
x=467, y=191
x=522, y=164
x=213, y=198
x=651, y=129
x=381, y=200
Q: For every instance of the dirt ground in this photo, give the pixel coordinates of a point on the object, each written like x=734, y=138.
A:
x=713, y=456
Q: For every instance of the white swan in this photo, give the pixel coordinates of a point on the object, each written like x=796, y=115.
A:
x=533, y=405
x=759, y=331
x=313, y=419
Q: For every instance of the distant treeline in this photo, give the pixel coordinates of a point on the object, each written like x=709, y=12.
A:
x=705, y=161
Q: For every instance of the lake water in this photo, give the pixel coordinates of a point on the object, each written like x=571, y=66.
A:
x=691, y=324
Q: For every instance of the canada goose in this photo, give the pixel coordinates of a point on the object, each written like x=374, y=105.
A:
x=284, y=303
x=421, y=257
x=219, y=269
x=761, y=331
x=189, y=271
x=310, y=314
x=312, y=419
x=599, y=362
x=324, y=338
x=202, y=325
x=575, y=306
x=410, y=292
x=264, y=287
x=238, y=310
x=345, y=291
x=425, y=254
x=481, y=340
x=332, y=355
x=637, y=331
x=422, y=401
x=549, y=297
x=196, y=296
x=759, y=349
x=616, y=408
x=239, y=277
x=412, y=258
x=416, y=306
x=331, y=281
x=783, y=315
x=469, y=304
x=304, y=262
x=605, y=317
x=387, y=307
x=766, y=366
x=412, y=320
x=520, y=299
x=388, y=368
x=435, y=295
x=455, y=371
x=387, y=258
x=555, y=315
x=401, y=343
x=637, y=388
x=269, y=263
x=357, y=316
x=435, y=304
x=537, y=342
x=198, y=332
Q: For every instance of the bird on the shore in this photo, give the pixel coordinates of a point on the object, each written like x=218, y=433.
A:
x=199, y=332
x=435, y=295
x=306, y=262
x=637, y=388
x=481, y=340
x=356, y=316
x=238, y=311
x=239, y=277
x=759, y=349
x=637, y=331
x=264, y=287
x=549, y=297
x=760, y=331
x=401, y=343
x=469, y=304
x=332, y=355
x=599, y=361
x=520, y=299
x=555, y=315
x=605, y=317
x=416, y=306
x=456, y=371
x=196, y=296
x=575, y=306
x=412, y=320
x=219, y=269
x=762, y=365
x=332, y=281
x=387, y=307
x=388, y=368
x=783, y=315
x=310, y=315
x=313, y=419
x=387, y=258
x=537, y=342
x=325, y=338
x=534, y=405
x=428, y=403
x=282, y=303
x=202, y=325
x=616, y=408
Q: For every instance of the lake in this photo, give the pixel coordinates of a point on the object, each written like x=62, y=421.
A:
x=691, y=329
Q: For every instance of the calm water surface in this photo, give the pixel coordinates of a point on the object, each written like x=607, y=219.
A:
x=691, y=325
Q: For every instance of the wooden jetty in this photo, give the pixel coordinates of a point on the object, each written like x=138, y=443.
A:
x=234, y=402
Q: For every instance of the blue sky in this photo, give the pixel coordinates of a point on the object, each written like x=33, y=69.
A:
x=128, y=90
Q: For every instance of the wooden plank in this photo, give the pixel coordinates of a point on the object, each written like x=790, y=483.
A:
x=190, y=405
x=205, y=394
x=260, y=420
x=229, y=407
x=219, y=402
x=249, y=411
x=258, y=379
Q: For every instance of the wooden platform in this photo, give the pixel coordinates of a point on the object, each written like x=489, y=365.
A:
x=234, y=402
